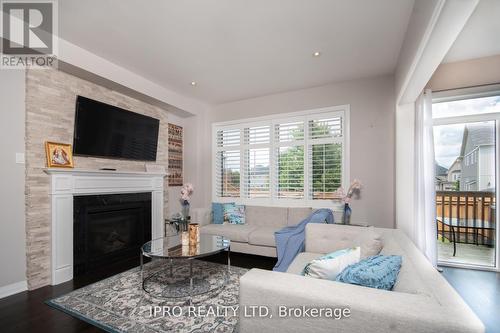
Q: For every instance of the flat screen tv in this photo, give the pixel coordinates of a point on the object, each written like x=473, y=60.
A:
x=103, y=130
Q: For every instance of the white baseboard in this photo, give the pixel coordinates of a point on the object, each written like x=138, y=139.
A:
x=13, y=288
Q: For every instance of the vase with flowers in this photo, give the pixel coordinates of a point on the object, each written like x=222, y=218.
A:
x=186, y=192
x=354, y=190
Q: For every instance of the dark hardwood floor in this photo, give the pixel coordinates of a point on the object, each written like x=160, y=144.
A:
x=481, y=291
x=27, y=312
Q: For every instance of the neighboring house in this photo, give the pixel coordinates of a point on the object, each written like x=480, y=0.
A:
x=455, y=170
x=478, y=158
x=442, y=182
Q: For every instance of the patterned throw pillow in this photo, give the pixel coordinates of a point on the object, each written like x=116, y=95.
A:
x=238, y=216
x=227, y=208
x=235, y=214
x=379, y=272
x=218, y=212
x=328, y=266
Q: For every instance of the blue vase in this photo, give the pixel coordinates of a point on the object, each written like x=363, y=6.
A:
x=185, y=210
x=346, y=218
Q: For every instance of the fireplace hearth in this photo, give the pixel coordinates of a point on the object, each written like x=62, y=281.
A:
x=109, y=230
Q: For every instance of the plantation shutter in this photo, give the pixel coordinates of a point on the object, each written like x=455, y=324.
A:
x=257, y=161
x=301, y=158
x=324, y=151
x=227, y=163
x=289, y=160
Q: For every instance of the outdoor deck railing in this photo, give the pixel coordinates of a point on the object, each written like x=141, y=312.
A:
x=466, y=216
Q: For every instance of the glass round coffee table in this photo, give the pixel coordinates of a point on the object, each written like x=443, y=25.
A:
x=173, y=275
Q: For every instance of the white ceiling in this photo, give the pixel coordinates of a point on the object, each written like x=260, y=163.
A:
x=480, y=36
x=236, y=49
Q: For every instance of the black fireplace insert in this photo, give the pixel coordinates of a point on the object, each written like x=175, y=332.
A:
x=109, y=230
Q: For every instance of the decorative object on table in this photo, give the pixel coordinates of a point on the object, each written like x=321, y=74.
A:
x=171, y=228
x=186, y=192
x=354, y=189
x=193, y=249
x=175, y=159
x=179, y=222
x=185, y=238
x=194, y=233
x=59, y=155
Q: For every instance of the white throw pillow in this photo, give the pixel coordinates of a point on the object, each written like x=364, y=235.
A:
x=370, y=242
x=329, y=266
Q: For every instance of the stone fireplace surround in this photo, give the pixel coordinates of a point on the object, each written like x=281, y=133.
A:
x=66, y=183
x=50, y=114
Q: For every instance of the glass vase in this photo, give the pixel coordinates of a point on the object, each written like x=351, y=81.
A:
x=346, y=217
x=185, y=211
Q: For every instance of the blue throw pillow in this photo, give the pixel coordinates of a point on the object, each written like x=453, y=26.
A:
x=217, y=213
x=379, y=272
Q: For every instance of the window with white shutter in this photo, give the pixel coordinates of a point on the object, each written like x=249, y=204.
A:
x=289, y=161
x=298, y=158
x=227, y=163
x=325, y=157
x=256, y=172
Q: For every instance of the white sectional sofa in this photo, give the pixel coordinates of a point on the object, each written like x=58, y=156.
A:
x=256, y=236
x=421, y=301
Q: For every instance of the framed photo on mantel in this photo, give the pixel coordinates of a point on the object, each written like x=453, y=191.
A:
x=59, y=155
x=175, y=157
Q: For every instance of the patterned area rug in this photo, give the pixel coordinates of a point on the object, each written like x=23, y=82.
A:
x=119, y=304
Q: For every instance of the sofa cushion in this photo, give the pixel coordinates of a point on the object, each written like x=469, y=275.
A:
x=235, y=232
x=327, y=267
x=228, y=208
x=263, y=236
x=370, y=242
x=300, y=261
x=378, y=272
x=236, y=214
x=331, y=237
x=297, y=215
x=409, y=280
x=217, y=213
x=336, y=237
x=266, y=216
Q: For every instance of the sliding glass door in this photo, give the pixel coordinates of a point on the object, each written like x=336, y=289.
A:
x=465, y=144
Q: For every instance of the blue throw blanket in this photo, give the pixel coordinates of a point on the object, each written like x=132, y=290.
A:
x=290, y=240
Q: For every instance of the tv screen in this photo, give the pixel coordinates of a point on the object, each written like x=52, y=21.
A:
x=103, y=130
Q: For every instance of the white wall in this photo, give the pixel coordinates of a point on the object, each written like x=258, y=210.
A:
x=372, y=135
x=467, y=73
x=193, y=169
x=12, y=225
x=412, y=47
x=405, y=156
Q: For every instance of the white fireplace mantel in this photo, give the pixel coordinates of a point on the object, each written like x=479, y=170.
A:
x=66, y=183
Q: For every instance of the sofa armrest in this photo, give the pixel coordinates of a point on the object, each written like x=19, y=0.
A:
x=371, y=310
x=202, y=216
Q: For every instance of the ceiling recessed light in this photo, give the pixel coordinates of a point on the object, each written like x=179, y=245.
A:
x=193, y=83
x=316, y=54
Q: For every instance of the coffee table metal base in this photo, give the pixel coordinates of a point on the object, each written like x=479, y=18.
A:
x=182, y=288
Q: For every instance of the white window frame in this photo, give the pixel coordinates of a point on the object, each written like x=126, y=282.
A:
x=469, y=93
x=272, y=120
